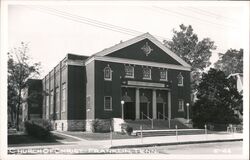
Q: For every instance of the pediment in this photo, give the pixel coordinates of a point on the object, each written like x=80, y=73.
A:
x=143, y=48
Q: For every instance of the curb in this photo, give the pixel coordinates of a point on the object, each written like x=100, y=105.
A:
x=173, y=143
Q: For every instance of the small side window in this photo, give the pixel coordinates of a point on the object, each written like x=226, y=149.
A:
x=108, y=103
x=180, y=105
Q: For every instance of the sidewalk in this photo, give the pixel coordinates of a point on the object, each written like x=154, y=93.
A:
x=145, y=142
x=174, y=140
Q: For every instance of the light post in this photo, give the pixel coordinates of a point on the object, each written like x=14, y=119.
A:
x=122, y=102
x=187, y=104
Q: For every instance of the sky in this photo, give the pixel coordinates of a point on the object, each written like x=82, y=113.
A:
x=53, y=30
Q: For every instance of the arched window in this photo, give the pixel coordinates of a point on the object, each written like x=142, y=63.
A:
x=107, y=73
x=180, y=79
x=146, y=73
x=129, y=71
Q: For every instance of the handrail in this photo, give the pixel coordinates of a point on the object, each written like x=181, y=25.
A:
x=159, y=113
x=151, y=119
x=165, y=119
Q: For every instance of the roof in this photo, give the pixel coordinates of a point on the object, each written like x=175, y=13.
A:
x=137, y=39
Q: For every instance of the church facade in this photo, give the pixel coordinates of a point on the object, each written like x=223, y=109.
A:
x=136, y=79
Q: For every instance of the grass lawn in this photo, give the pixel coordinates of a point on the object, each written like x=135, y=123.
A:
x=99, y=136
x=29, y=140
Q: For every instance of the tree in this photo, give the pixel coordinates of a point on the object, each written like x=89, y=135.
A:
x=217, y=100
x=230, y=62
x=185, y=44
x=20, y=69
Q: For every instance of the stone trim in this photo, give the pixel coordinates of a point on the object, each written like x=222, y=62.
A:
x=69, y=125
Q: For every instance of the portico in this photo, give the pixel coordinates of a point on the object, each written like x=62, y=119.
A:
x=143, y=100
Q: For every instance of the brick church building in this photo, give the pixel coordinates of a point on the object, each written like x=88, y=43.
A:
x=136, y=79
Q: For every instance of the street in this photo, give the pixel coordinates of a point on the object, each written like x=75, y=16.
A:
x=205, y=148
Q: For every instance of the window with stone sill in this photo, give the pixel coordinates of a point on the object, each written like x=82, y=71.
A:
x=180, y=79
x=146, y=73
x=107, y=73
x=108, y=103
x=129, y=71
x=180, y=105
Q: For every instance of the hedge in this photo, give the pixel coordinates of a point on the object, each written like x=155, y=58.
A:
x=38, y=131
x=101, y=125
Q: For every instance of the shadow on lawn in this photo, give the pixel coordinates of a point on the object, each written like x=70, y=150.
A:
x=28, y=140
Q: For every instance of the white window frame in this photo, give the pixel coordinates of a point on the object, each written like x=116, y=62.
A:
x=110, y=72
x=180, y=105
x=133, y=71
x=109, y=109
x=166, y=72
x=146, y=77
x=180, y=76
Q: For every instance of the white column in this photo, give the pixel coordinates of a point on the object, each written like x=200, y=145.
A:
x=137, y=103
x=154, y=105
x=169, y=104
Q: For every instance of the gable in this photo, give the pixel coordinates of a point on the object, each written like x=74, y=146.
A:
x=144, y=50
x=131, y=49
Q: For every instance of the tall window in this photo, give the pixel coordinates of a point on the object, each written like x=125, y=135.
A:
x=47, y=107
x=108, y=103
x=57, y=100
x=181, y=105
x=163, y=75
x=129, y=71
x=63, y=97
x=107, y=73
x=180, y=79
x=146, y=73
x=51, y=102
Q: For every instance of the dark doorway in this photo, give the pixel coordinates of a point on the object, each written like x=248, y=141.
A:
x=160, y=112
x=144, y=110
x=129, y=110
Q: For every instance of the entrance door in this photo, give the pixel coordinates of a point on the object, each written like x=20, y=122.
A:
x=144, y=110
x=129, y=110
x=160, y=111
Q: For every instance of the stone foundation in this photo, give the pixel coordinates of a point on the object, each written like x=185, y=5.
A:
x=99, y=125
x=69, y=125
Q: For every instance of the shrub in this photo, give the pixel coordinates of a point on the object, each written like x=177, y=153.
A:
x=38, y=131
x=129, y=130
x=101, y=125
x=126, y=129
x=43, y=123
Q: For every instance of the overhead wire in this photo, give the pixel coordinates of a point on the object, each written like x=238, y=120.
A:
x=92, y=22
x=195, y=18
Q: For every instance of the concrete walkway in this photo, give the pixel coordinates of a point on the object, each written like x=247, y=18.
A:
x=144, y=142
x=174, y=140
